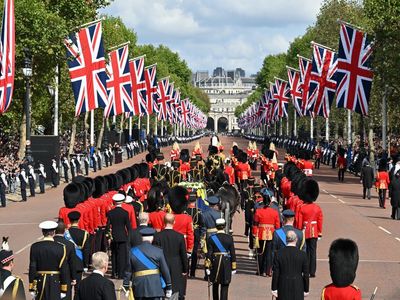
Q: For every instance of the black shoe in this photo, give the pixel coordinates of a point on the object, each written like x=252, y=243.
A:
x=312, y=276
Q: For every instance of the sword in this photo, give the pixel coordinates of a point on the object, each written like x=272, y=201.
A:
x=374, y=293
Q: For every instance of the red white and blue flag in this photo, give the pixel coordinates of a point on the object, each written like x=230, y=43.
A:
x=280, y=92
x=119, y=83
x=163, y=98
x=176, y=98
x=151, y=88
x=185, y=112
x=87, y=68
x=138, y=83
x=322, y=86
x=305, y=66
x=7, y=56
x=295, y=89
x=171, y=103
x=354, y=74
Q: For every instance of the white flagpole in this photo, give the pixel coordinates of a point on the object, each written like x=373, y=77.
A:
x=327, y=129
x=114, y=120
x=139, y=125
x=148, y=124
x=349, y=127
x=162, y=127
x=92, y=128
x=311, y=128
x=130, y=128
x=295, y=124
x=156, y=125
x=287, y=125
x=56, y=101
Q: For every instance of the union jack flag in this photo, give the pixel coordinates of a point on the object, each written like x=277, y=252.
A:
x=185, y=112
x=119, y=83
x=151, y=87
x=163, y=99
x=171, y=103
x=280, y=92
x=87, y=68
x=271, y=103
x=305, y=67
x=136, y=67
x=322, y=86
x=7, y=56
x=295, y=89
x=354, y=75
x=176, y=98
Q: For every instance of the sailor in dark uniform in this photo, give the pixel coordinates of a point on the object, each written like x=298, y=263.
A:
x=106, y=157
x=66, y=167
x=146, y=263
x=42, y=177
x=221, y=261
x=96, y=286
x=32, y=180
x=54, y=173
x=11, y=286
x=23, y=180
x=47, y=266
x=80, y=239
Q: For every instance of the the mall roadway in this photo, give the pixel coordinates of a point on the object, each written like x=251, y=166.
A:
x=346, y=214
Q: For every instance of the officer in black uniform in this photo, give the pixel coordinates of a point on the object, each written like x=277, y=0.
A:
x=198, y=228
x=11, y=286
x=80, y=239
x=66, y=167
x=31, y=179
x=47, y=266
x=42, y=177
x=55, y=180
x=221, y=261
x=3, y=187
x=23, y=180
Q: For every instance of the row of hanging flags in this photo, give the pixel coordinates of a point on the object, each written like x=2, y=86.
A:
x=311, y=89
x=123, y=85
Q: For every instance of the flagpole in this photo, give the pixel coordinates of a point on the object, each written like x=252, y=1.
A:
x=287, y=125
x=139, y=125
x=162, y=128
x=148, y=124
x=311, y=128
x=349, y=127
x=130, y=128
x=327, y=129
x=384, y=119
x=156, y=125
x=92, y=128
x=280, y=127
x=88, y=24
x=118, y=46
x=295, y=124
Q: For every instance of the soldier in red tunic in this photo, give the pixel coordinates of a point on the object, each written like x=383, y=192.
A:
x=72, y=194
x=310, y=220
x=317, y=155
x=178, y=200
x=343, y=262
x=229, y=171
x=342, y=164
x=175, y=152
x=155, y=207
x=382, y=182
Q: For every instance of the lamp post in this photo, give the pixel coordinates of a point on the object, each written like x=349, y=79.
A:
x=27, y=71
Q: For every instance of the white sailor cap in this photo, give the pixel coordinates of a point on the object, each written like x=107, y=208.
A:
x=48, y=225
x=118, y=197
x=220, y=221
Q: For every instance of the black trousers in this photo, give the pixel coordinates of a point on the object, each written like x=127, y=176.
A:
x=194, y=258
x=366, y=193
x=382, y=197
x=312, y=255
x=317, y=163
x=265, y=257
x=94, y=165
x=23, y=193
x=106, y=160
x=3, y=195
x=41, y=184
x=66, y=175
x=79, y=275
x=224, y=291
x=32, y=187
x=395, y=213
x=119, y=257
x=341, y=174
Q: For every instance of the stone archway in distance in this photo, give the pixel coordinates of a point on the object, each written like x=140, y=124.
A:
x=223, y=124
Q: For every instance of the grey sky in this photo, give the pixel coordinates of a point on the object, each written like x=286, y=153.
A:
x=211, y=33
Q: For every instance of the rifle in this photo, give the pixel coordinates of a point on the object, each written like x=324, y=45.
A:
x=374, y=293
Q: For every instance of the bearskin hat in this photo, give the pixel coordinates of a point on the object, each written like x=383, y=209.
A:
x=185, y=155
x=307, y=155
x=287, y=168
x=110, y=182
x=341, y=151
x=118, y=181
x=72, y=195
x=343, y=262
x=296, y=182
x=134, y=172
x=143, y=170
x=84, y=191
x=382, y=164
x=269, y=154
x=309, y=190
x=150, y=157
x=99, y=187
x=242, y=157
x=155, y=198
x=212, y=150
x=178, y=199
x=128, y=176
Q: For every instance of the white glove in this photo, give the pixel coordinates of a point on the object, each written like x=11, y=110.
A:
x=208, y=272
x=85, y=270
x=63, y=295
x=189, y=255
x=127, y=294
x=233, y=272
x=33, y=294
x=275, y=293
x=306, y=294
x=168, y=293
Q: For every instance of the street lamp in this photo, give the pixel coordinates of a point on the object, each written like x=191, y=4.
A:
x=27, y=71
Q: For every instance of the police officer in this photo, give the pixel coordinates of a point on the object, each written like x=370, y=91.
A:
x=66, y=167
x=31, y=179
x=54, y=173
x=47, y=266
x=23, y=180
x=42, y=178
x=221, y=261
x=3, y=187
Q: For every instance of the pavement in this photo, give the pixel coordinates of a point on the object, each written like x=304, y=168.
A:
x=346, y=215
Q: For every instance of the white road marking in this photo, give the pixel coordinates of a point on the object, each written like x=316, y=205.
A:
x=325, y=191
x=27, y=246
x=385, y=230
x=398, y=239
x=340, y=200
x=333, y=196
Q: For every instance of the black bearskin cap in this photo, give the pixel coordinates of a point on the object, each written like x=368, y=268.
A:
x=134, y=172
x=150, y=157
x=269, y=154
x=155, y=198
x=343, y=262
x=296, y=182
x=110, y=182
x=235, y=150
x=89, y=182
x=212, y=150
x=309, y=190
x=242, y=157
x=287, y=168
x=118, y=181
x=185, y=155
x=341, y=151
x=177, y=198
x=72, y=195
x=382, y=164
x=99, y=187
x=84, y=191
x=143, y=170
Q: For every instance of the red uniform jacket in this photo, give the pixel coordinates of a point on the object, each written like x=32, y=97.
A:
x=308, y=167
x=341, y=162
x=197, y=152
x=63, y=215
x=243, y=171
x=286, y=186
x=382, y=180
x=331, y=292
x=184, y=224
x=310, y=219
x=317, y=153
x=131, y=213
x=230, y=171
x=266, y=220
x=156, y=220
x=184, y=168
x=175, y=154
x=141, y=186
